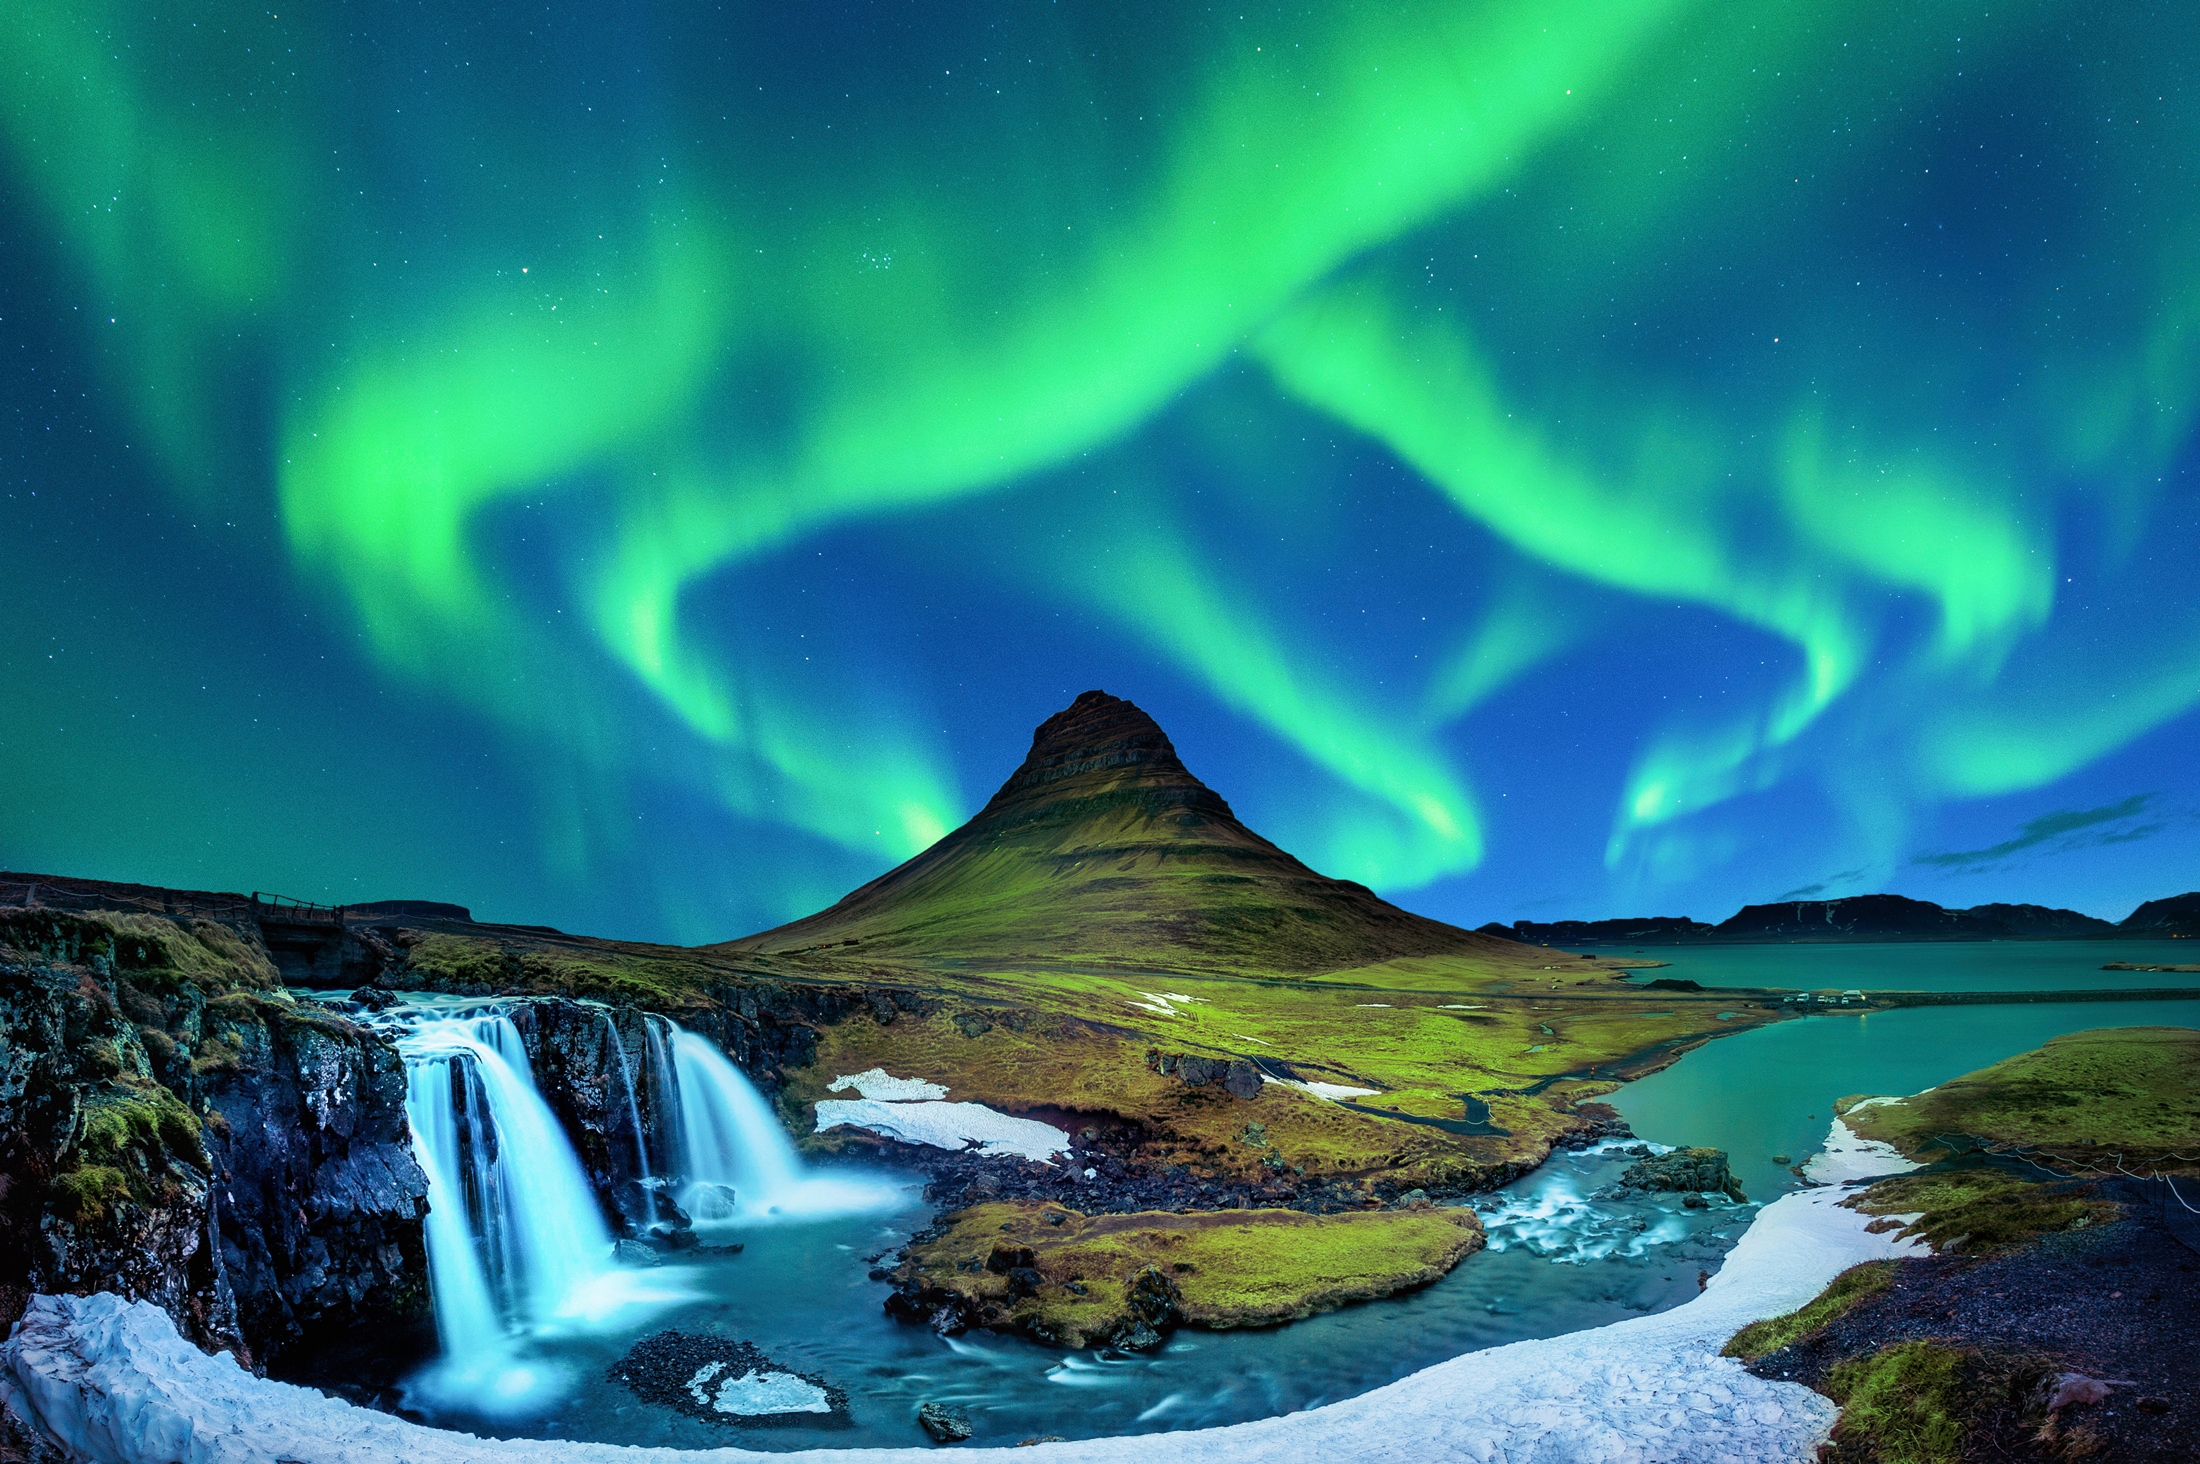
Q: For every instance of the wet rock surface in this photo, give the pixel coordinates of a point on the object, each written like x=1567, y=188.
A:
x=173, y=1128
x=726, y=1380
x=2105, y=1302
x=946, y=1423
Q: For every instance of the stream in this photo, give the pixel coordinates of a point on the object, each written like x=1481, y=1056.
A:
x=1558, y=1260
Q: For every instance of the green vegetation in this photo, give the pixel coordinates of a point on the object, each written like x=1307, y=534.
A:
x=1104, y=906
x=1904, y=1404
x=1238, y=1268
x=1852, y=1287
x=117, y=1118
x=1979, y=1209
x=82, y=1195
x=2079, y=1102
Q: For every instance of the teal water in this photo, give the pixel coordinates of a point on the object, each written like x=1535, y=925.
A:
x=1566, y=1252
x=1770, y=1091
x=1986, y=965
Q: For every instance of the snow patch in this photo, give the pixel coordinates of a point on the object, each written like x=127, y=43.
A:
x=946, y=1126
x=1328, y=1090
x=1847, y=1157
x=880, y=1084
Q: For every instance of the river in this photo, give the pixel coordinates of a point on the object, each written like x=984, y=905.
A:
x=1559, y=1259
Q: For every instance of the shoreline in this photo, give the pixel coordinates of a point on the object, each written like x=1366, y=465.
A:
x=111, y=1379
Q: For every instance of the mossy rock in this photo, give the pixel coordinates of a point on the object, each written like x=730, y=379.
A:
x=1087, y=1278
x=1904, y=1404
x=1979, y=1209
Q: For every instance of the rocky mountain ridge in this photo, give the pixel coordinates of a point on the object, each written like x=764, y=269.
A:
x=1866, y=918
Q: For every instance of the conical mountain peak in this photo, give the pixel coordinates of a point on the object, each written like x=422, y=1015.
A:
x=1099, y=749
x=1103, y=847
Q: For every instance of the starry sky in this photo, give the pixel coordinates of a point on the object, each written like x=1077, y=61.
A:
x=646, y=468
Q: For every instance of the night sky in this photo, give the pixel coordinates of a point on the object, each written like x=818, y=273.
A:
x=646, y=468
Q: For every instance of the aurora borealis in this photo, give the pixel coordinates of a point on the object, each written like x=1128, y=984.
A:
x=646, y=469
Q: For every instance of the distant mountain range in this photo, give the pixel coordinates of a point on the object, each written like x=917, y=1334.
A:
x=1866, y=918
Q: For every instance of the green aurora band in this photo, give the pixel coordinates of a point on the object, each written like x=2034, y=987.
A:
x=1658, y=295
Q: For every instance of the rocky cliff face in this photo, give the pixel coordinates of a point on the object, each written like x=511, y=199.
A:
x=172, y=1128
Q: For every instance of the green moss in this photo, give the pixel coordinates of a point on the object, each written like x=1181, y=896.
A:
x=148, y=1118
x=1233, y=1268
x=1901, y=1405
x=165, y=954
x=83, y=1195
x=1980, y=1209
x=1851, y=1287
x=2082, y=1100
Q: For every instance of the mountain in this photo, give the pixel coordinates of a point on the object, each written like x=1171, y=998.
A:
x=1649, y=929
x=1103, y=847
x=1861, y=918
x=2179, y=915
x=2044, y=922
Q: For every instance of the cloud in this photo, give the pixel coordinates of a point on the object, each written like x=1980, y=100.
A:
x=1804, y=892
x=2056, y=825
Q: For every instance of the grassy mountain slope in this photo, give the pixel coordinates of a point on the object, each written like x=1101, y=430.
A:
x=1103, y=847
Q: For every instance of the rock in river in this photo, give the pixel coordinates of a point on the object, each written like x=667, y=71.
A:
x=1690, y=1171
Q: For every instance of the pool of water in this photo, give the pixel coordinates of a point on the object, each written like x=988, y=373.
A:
x=1989, y=965
x=1559, y=1259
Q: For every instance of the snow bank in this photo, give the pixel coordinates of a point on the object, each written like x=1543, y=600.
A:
x=946, y=1126
x=113, y=1382
x=1325, y=1090
x=1847, y=1157
x=884, y=1086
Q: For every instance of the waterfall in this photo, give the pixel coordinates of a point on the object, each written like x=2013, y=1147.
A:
x=517, y=1245
x=664, y=1086
x=502, y=1173
x=736, y=1162
x=633, y=1113
x=729, y=1135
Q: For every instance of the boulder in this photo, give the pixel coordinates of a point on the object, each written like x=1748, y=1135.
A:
x=1686, y=1171
x=946, y=1423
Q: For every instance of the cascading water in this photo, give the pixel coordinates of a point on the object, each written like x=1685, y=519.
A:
x=642, y=1172
x=517, y=1245
x=728, y=1136
x=736, y=1162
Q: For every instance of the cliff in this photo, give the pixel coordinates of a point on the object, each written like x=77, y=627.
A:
x=175, y=1129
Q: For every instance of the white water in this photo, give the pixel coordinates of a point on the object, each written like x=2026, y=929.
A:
x=633, y=1105
x=517, y=1245
x=729, y=1138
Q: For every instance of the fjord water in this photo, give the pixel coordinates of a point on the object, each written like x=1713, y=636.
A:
x=1985, y=965
x=1769, y=1092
